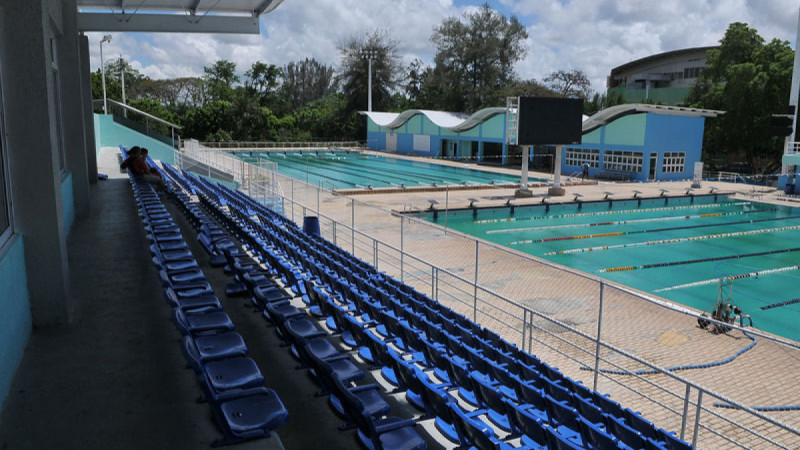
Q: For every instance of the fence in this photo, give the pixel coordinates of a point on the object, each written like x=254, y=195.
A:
x=640, y=350
x=248, y=146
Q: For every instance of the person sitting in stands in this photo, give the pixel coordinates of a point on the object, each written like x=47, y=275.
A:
x=133, y=154
x=152, y=176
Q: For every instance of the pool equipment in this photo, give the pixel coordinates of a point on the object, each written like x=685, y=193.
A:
x=724, y=310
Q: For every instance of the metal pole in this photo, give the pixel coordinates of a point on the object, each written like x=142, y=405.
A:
x=292, y=199
x=524, y=326
x=318, y=189
x=475, y=285
x=402, y=253
x=103, y=69
x=599, y=329
x=375, y=253
x=122, y=75
x=433, y=280
x=334, y=232
x=685, y=410
x=697, y=418
x=446, y=205
x=353, y=225
x=369, y=83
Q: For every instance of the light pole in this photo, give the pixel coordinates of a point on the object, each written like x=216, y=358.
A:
x=122, y=75
x=106, y=38
x=370, y=55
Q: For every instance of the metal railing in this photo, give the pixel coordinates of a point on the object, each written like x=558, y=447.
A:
x=305, y=145
x=148, y=124
x=615, y=339
x=655, y=389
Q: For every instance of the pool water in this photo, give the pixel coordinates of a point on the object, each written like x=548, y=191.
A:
x=355, y=170
x=676, y=248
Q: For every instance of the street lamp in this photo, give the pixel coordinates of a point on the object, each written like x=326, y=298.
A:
x=106, y=38
x=369, y=55
x=122, y=75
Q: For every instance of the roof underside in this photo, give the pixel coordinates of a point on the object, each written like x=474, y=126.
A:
x=455, y=122
x=648, y=59
x=613, y=113
x=182, y=16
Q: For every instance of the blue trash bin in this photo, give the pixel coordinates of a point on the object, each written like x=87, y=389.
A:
x=311, y=225
x=789, y=188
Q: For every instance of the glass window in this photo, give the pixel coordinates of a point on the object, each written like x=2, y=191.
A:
x=674, y=162
x=577, y=156
x=623, y=161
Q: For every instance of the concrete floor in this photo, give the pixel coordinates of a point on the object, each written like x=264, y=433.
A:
x=115, y=377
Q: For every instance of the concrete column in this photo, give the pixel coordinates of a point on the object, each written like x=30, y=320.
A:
x=557, y=190
x=33, y=156
x=69, y=72
x=88, y=117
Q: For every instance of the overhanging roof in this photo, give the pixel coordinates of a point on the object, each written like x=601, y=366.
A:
x=657, y=56
x=455, y=122
x=613, y=113
x=181, y=16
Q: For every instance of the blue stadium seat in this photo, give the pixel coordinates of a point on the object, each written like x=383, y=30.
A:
x=249, y=414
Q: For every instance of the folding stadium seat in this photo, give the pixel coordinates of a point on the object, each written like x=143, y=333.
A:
x=610, y=407
x=407, y=380
x=262, y=295
x=473, y=433
x=202, y=324
x=591, y=413
x=226, y=375
x=459, y=376
x=596, y=437
x=248, y=414
x=341, y=366
x=556, y=441
x=558, y=392
x=563, y=419
x=491, y=400
x=528, y=426
x=192, y=305
x=178, y=277
x=388, y=433
x=195, y=289
x=280, y=311
x=625, y=434
x=202, y=349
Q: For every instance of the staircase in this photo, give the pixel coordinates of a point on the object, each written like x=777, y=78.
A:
x=512, y=119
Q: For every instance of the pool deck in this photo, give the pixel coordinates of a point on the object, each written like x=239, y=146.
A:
x=643, y=328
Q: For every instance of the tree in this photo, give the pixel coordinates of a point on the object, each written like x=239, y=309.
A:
x=221, y=76
x=572, y=84
x=262, y=80
x=750, y=81
x=600, y=102
x=305, y=81
x=353, y=74
x=475, y=56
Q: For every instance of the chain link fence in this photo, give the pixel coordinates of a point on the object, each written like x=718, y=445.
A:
x=734, y=390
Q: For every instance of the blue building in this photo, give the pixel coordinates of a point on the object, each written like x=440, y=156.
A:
x=634, y=141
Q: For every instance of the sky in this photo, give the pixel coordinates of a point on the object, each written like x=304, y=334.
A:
x=590, y=35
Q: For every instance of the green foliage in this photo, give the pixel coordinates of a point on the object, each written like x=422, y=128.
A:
x=354, y=73
x=306, y=81
x=602, y=101
x=475, y=56
x=750, y=80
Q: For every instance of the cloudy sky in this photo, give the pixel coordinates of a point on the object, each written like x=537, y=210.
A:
x=590, y=35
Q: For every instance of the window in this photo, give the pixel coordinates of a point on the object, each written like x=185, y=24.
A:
x=577, y=156
x=674, y=162
x=622, y=161
x=692, y=72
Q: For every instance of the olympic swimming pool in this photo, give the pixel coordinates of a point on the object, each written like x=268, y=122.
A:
x=676, y=248
x=353, y=170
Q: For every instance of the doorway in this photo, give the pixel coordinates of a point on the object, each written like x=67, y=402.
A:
x=653, y=166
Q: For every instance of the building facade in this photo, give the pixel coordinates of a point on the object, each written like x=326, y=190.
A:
x=664, y=78
x=627, y=142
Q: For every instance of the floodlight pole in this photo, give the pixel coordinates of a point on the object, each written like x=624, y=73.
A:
x=106, y=38
x=369, y=55
x=122, y=75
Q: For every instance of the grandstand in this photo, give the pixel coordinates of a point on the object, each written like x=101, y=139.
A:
x=221, y=312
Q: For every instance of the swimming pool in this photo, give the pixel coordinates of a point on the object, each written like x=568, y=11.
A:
x=355, y=170
x=676, y=248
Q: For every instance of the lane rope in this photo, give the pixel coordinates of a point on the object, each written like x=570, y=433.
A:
x=733, y=277
x=664, y=241
x=627, y=222
x=605, y=213
x=702, y=260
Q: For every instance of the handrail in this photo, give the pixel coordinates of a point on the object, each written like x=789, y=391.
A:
x=138, y=111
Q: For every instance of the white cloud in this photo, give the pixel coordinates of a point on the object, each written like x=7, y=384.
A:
x=591, y=35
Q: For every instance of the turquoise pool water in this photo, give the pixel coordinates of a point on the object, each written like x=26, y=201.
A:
x=355, y=170
x=675, y=248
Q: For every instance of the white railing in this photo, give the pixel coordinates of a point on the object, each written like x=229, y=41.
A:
x=247, y=146
x=174, y=130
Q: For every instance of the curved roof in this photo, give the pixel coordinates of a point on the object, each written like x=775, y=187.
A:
x=455, y=122
x=613, y=113
x=657, y=56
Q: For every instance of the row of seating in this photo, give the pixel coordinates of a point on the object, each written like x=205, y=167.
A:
x=231, y=382
x=362, y=406
x=388, y=322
